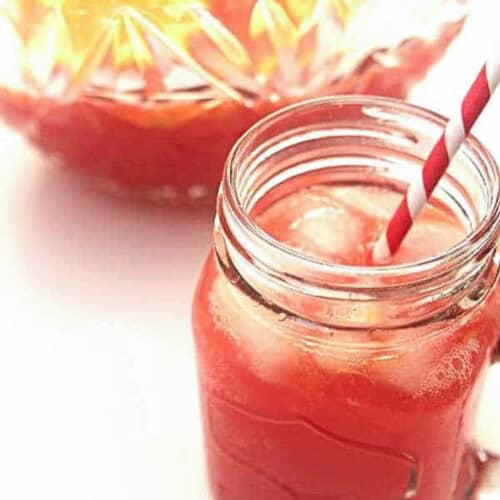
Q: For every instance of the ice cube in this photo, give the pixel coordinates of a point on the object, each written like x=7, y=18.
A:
x=329, y=232
x=380, y=353
x=348, y=349
x=431, y=235
x=347, y=352
x=312, y=222
x=374, y=201
x=427, y=367
x=258, y=331
x=406, y=356
x=404, y=369
x=279, y=218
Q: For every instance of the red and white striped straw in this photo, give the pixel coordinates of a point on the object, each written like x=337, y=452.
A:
x=436, y=164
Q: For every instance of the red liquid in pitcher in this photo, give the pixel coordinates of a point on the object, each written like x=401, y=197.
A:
x=289, y=420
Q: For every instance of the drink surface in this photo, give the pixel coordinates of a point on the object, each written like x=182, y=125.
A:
x=291, y=414
x=340, y=224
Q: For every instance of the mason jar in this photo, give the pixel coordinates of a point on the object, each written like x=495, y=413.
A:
x=326, y=379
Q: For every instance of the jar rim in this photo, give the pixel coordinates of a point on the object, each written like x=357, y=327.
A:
x=484, y=233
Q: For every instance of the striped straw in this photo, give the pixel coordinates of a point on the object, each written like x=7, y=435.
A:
x=436, y=164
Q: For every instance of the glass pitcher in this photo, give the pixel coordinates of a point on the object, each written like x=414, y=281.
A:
x=148, y=96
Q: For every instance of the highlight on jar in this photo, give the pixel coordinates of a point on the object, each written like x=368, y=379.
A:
x=323, y=372
x=148, y=97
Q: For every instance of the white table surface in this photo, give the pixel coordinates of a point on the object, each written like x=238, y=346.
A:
x=98, y=396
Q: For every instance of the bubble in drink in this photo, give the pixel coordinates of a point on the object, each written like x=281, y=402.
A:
x=456, y=366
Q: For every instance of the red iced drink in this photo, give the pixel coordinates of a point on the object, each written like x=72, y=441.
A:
x=290, y=421
x=323, y=376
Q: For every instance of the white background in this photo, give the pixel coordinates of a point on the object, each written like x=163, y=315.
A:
x=98, y=393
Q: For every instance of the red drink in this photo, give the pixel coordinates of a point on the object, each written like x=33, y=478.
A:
x=310, y=395
x=287, y=422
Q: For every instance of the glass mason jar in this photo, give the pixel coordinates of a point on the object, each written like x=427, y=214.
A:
x=322, y=380
x=148, y=96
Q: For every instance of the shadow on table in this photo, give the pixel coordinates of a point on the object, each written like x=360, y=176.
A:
x=97, y=255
